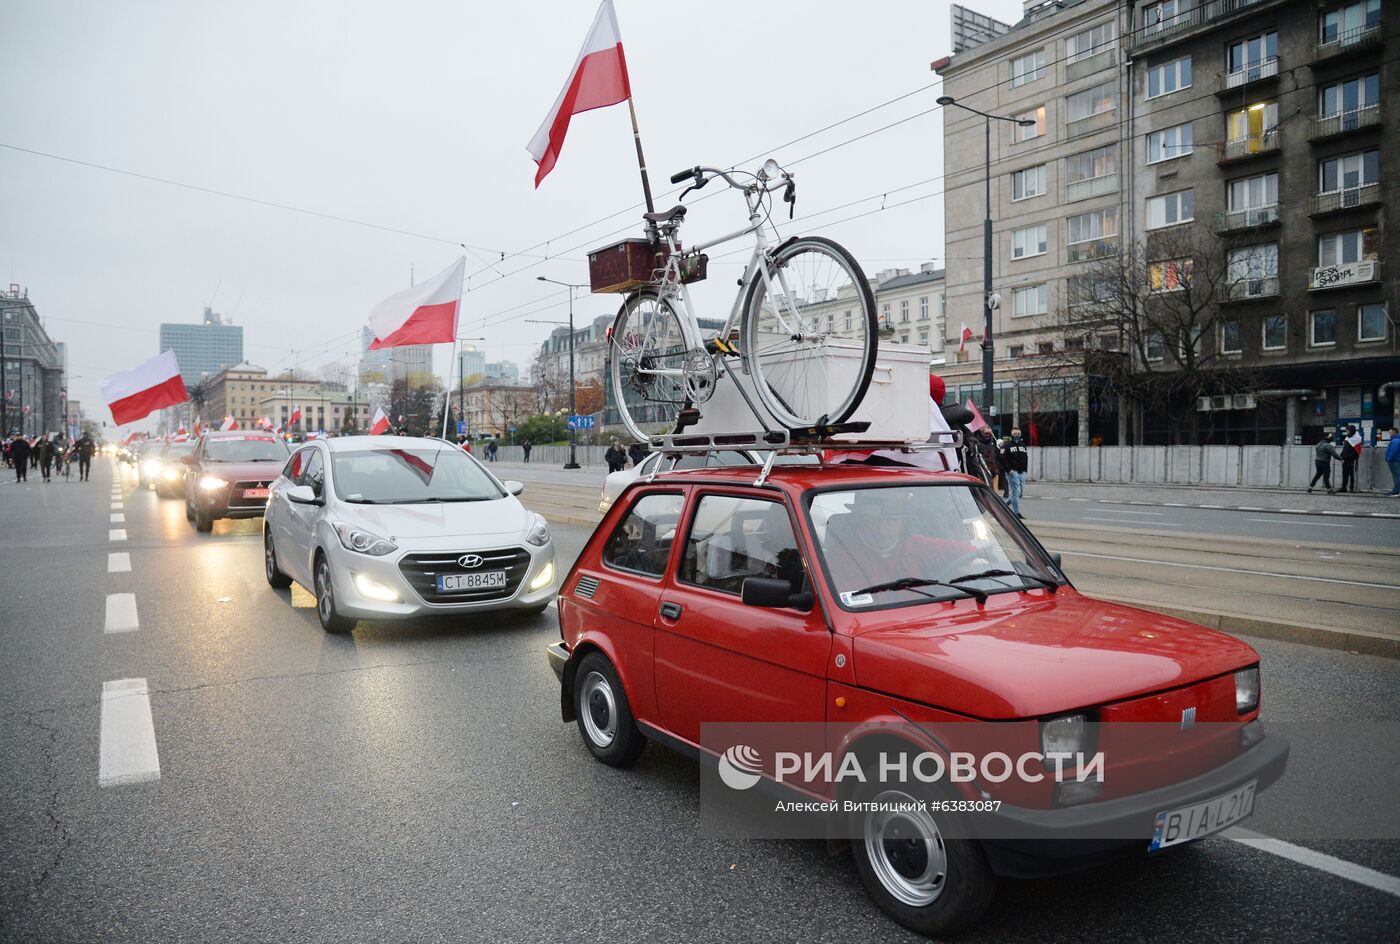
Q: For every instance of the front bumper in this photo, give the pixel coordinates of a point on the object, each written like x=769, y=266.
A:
x=217, y=503
x=1025, y=843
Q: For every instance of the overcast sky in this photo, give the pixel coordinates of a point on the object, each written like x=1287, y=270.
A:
x=415, y=116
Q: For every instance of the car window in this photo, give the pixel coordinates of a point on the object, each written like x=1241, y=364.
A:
x=390, y=475
x=245, y=449
x=293, y=468
x=642, y=541
x=315, y=472
x=732, y=539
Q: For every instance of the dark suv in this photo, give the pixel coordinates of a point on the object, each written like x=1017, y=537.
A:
x=229, y=475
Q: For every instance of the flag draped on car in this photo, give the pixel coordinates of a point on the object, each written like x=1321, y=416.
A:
x=598, y=79
x=423, y=314
x=228, y=423
x=147, y=387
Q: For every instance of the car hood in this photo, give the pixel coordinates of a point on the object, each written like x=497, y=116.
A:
x=1026, y=656
x=242, y=471
x=499, y=517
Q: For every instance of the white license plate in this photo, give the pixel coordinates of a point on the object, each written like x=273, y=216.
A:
x=1201, y=819
x=255, y=493
x=491, y=579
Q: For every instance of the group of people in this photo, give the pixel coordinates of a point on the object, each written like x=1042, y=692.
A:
x=1004, y=463
x=48, y=455
x=1348, y=450
x=618, y=458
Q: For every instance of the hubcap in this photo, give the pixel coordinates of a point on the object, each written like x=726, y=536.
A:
x=269, y=559
x=598, y=709
x=323, y=584
x=906, y=849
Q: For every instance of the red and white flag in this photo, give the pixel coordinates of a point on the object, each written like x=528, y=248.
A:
x=228, y=423
x=967, y=335
x=182, y=431
x=423, y=314
x=380, y=425
x=598, y=79
x=141, y=391
x=296, y=416
x=977, y=421
x=265, y=423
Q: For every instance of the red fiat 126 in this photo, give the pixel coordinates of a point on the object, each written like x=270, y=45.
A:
x=910, y=613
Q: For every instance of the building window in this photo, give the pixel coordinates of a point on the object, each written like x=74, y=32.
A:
x=1108, y=342
x=831, y=322
x=1349, y=171
x=1036, y=115
x=1045, y=347
x=904, y=311
x=904, y=338
x=1371, y=322
x=1358, y=245
x=885, y=314
x=1162, y=16
x=1253, y=58
x=1169, y=77
x=1275, y=332
x=1322, y=328
x=923, y=308
x=1169, y=275
x=1028, y=183
x=1016, y=350
x=1252, y=129
x=1253, y=271
x=1091, y=173
x=1090, y=102
x=1169, y=143
x=1349, y=96
x=1253, y=193
x=1092, y=234
x=923, y=337
x=848, y=321
x=1028, y=242
x=1030, y=300
x=1347, y=24
x=1028, y=68
x=1171, y=208
x=1230, y=339
x=1092, y=41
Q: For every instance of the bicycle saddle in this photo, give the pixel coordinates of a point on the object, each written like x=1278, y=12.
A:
x=676, y=212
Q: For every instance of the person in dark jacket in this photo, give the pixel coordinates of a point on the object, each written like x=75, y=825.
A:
x=525, y=448
x=1351, y=451
x=986, y=443
x=615, y=457
x=637, y=453
x=19, y=455
x=85, y=448
x=1014, y=461
x=43, y=452
x=1323, y=454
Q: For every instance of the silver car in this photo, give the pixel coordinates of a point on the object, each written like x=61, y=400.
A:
x=381, y=527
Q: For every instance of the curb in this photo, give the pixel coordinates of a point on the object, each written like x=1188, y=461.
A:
x=559, y=518
x=1254, y=508
x=1370, y=644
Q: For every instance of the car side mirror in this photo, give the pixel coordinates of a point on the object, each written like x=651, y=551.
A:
x=302, y=495
x=188, y=460
x=773, y=592
x=514, y=487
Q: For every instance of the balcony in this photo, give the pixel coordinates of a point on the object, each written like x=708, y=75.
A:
x=1244, y=290
x=1344, y=274
x=1251, y=145
x=1345, y=122
x=1349, y=198
x=1079, y=127
x=1176, y=26
x=1098, y=62
x=1093, y=249
x=1233, y=221
x=1353, y=40
x=1093, y=187
x=1254, y=72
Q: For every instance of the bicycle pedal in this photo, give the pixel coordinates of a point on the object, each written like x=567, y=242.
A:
x=687, y=418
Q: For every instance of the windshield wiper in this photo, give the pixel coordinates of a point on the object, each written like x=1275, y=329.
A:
x=1046, y=582
x=914, y=583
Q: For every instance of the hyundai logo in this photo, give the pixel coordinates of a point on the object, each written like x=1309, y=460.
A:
x=469, y=560
x=1188, y=717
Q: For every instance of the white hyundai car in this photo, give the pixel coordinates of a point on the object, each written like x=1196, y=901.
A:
x=383, y=527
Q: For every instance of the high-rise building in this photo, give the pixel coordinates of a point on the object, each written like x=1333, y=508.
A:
x=471, y=365
x=375, y=366
x=413, y=363
x=503, y=372
x=203, y=349
x=31, y=371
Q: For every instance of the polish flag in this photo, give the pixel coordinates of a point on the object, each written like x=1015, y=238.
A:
x=977, y=421
x=296, y=416
x=598, y=79
x=380, y=425
x=265, y=423
x=133, y=394
x=229, y=423
x=182, y=431
x=967, y=335
x=423, y=314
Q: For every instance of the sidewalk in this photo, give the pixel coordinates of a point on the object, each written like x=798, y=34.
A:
x=1284, y=501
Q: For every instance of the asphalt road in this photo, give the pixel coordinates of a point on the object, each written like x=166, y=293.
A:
x=412, y=782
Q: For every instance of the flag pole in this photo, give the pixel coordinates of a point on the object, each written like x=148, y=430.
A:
x=641, y=161
x=447, y=391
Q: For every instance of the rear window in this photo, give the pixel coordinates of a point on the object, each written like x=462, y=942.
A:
x=245, y=449
x=642, y=540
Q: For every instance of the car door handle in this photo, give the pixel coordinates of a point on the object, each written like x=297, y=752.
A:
x=671, y=611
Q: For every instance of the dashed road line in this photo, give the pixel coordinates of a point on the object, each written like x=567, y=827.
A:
x=116, y=534
x=1110, y=511
x=127, y=744
x=121, y=614
x=119, y=563
x=1315, y=524
x=116, y=506
x=117, y=518
x=1155, y=524
x=1341, y=868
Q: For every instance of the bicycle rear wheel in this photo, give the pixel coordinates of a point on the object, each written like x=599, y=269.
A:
x=810, y=341
x=648, y=352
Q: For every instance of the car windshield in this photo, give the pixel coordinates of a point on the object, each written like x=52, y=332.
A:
x=410, y=476
x=245, y=449
x=893, y=546
x=176, y=450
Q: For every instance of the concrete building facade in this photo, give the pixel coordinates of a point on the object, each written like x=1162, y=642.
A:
x=31, y=369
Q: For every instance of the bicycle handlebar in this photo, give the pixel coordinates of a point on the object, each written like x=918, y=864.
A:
x=698, y=173
x=681, y=175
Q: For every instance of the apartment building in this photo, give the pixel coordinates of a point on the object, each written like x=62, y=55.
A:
x=1249, y=132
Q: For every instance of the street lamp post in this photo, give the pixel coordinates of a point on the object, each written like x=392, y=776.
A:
x=573, y=446
x=987, y=347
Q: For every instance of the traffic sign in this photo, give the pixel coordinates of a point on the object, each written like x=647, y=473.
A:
x=580, y=422
x=461, y=427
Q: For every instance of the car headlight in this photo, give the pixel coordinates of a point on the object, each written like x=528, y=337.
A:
x=364, y=542
x=1063, y=735
x=543, y=578
x=539, y=532
x=170, y=475
x=1247, y=690
x=152, y=467
x=211, y=482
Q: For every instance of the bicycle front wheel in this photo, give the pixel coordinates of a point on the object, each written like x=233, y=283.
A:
x=648, y=352
x=810, y=337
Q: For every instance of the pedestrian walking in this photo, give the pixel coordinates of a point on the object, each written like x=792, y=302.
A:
x=525, y=448
x=1351, y=451
x=1014, y=460
x=1392, y=461
x=85, y=448
x=637, y=453
x=1323, y=454
x=43, y=453
x=19, y=455
x=491, y=449
x=986, y=444
x=616, y=456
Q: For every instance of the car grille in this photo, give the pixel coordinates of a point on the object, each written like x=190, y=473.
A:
x=421, y=571
x=236, y=499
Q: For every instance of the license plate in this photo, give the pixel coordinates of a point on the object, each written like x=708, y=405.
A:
x=491, y=579
x=1174, y=827
x=255, y=493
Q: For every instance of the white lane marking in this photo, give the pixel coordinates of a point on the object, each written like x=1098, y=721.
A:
x=1232, y=570
x=1341, y=868
x=1155, y=524
x=117, y=534
x=117, y=518
x=121, y=613
x=1315, y=524
x=1078, y=499
x=116, y=506
x=119, y=563
x=1211, y=506
x=1251, y=508
x=1112, y=511
x=127, y=751
x=1175, y=505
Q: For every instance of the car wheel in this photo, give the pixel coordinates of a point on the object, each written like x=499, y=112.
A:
x=203, y=521
x=189, y=509
x=331, y=620
x=928, y=881
x=275, y=577
x=604, y=717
